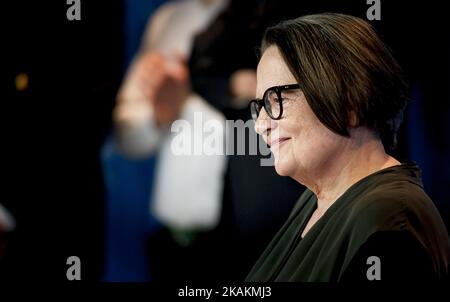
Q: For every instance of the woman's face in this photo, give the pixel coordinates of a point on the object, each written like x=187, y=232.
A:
x=301, y=144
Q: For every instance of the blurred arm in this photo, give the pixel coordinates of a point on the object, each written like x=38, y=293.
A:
x=150, y=96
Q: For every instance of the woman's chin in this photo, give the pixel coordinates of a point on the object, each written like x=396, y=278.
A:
x=282, y=169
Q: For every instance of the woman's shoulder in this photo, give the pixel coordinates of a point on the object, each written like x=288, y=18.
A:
x=396, y=218
x=397, y=205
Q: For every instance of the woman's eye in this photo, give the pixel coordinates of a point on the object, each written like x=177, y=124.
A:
x=274, y=100
x=285, y=100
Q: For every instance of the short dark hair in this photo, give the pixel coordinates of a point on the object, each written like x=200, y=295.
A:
x=343, y=69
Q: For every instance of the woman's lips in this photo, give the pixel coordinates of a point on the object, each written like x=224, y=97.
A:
x=278, y=141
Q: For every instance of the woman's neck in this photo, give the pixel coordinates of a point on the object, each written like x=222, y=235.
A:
x=363, y=154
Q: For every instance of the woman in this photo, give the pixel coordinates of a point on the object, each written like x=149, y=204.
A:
x=333, y=99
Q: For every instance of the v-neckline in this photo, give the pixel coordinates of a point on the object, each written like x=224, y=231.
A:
x=308, y=216
x=336, y=203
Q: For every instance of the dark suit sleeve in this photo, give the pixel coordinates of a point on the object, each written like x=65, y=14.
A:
x=401, y=258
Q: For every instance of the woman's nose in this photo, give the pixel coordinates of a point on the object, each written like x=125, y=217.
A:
x=264, y=123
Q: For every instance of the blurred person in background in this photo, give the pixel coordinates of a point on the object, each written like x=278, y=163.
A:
x=187, y=191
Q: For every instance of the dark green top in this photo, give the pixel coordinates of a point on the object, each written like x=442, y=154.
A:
x=386, y=214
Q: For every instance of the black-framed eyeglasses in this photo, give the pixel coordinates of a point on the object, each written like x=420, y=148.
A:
x=272, y=102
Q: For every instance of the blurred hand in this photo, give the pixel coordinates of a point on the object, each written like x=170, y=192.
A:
x=161, y=82
x=169, y=90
